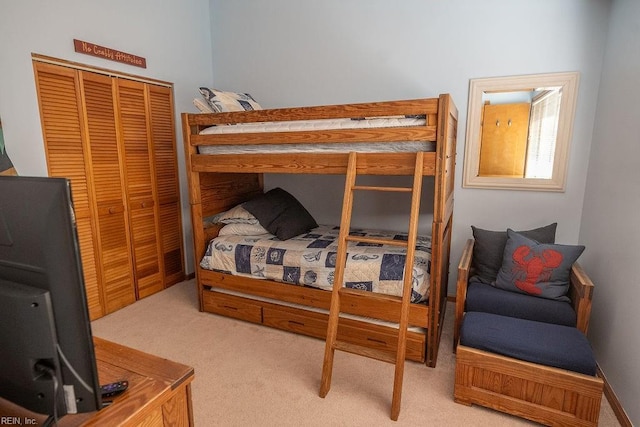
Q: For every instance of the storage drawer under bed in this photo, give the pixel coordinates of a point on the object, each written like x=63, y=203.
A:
x=232, y=306
x=311, y=323
x=369, y=335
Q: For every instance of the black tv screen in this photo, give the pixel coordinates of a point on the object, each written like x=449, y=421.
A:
x=48, y=361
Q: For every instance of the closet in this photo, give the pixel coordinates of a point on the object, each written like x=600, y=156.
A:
x=113, y=136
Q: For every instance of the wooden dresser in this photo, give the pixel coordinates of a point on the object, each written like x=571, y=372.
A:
x=159, y=392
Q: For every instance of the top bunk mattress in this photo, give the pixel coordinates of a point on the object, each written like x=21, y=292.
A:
x=318, y=125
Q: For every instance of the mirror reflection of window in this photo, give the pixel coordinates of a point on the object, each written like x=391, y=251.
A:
x=543, y=129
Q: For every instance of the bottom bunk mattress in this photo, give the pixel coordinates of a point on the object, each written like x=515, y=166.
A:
x=309, y=260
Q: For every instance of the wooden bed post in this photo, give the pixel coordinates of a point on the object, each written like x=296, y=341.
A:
x=442, y=221
x=193, y=180
x=211, y=193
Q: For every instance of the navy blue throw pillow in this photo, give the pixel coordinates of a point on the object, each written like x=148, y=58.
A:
x=280, y=213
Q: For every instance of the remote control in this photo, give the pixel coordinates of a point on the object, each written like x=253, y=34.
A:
x=113, y=389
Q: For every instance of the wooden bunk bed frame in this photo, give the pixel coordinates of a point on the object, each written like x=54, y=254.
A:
x=221, y=181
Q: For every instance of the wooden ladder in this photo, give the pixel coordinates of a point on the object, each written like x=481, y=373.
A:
x=332, y=343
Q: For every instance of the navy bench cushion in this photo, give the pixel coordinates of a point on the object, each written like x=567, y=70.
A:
x=488, y=299
x=546, y=344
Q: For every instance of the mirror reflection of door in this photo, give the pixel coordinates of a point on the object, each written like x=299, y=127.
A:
x=504, y=139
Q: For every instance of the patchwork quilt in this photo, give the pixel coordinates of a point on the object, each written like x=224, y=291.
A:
x=309, y=260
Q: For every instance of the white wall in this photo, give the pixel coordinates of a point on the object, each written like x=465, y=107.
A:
x=173, y=36
x=610, y=228
x=291, y=53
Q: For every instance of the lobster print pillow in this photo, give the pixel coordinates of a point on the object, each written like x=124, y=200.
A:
x=539, y=269
x=488, y=249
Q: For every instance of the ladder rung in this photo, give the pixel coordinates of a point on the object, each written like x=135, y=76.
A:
x=363, y=239
x=372, y=188
x=383, y=355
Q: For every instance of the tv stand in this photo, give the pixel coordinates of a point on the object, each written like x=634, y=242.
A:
x=159, y=392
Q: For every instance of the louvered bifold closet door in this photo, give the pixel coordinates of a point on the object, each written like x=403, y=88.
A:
x=166, y=168
x=108, y=190
x=61, y=118
x=140, y=186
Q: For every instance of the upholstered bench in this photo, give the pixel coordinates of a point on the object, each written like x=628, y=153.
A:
x=543, y=370
x=558, y=346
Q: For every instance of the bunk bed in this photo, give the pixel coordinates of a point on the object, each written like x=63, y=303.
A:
x=227, y=155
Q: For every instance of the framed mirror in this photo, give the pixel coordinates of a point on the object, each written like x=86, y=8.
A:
x=518, y=131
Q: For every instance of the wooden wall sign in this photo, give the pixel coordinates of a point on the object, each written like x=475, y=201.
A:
x=108, y=53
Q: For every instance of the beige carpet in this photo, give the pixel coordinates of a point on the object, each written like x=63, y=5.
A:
x=249, y=375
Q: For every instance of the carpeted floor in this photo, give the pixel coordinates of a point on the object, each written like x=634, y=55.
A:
x=250, y=375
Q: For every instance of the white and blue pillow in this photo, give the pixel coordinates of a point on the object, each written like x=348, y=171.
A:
x=224, y=102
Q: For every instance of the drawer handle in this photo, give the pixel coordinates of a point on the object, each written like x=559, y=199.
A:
x=293, y=322
x=112, y=210
x=228, y=307
x=377, y=341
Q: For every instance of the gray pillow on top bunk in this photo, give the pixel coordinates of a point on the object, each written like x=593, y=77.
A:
x=280, y=213
x=222, y=101
x=488, y=249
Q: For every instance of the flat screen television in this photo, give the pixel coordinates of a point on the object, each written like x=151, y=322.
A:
x=48, y=363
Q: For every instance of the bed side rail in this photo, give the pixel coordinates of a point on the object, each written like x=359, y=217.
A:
x=426, y=132
x=428, y=106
